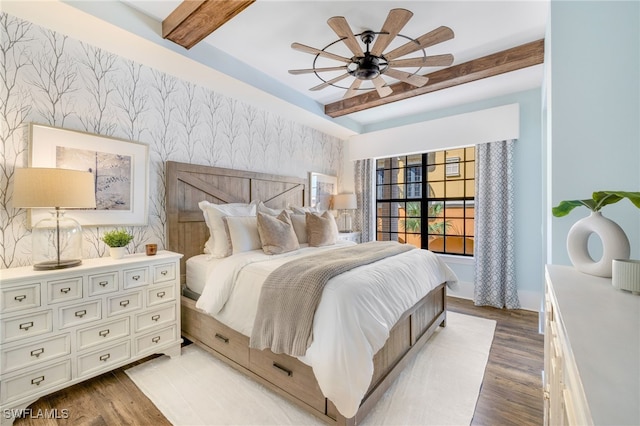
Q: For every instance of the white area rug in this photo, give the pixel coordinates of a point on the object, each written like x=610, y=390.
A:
x=439, y=387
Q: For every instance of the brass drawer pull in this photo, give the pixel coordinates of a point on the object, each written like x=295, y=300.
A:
x=104, y=333
x=21, y=297
x=135, y=277
x=26, y=325
x=222, y=338
x=124, y=303
x=65, y=290
x=37, y=380
x=103, y=283
x=37, y=352
x=155, y=339
x=105, y=357
x=155, y=318
x=165, y=272
x=160, y=294
x=282, y=369
x=81, y=313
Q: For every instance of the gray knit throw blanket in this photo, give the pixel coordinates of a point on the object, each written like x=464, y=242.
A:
x=291, y=293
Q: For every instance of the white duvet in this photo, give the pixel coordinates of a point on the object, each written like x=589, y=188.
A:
x=356, y=312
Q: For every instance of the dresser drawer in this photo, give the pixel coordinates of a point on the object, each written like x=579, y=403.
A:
x=62, y=290
x=125, y=303
x=155, y=317
x=105, y=332
x=34, y=382
x=164, y=272
x=33, y=353
x=149, y=342
x=26, y=326
x=160, y=294
x=103, y=283
x=103, y=359
x=136, y=277
x=295, y=377
x=80, y=314
x=23, y=297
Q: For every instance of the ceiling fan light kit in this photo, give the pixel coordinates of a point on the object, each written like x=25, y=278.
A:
x=371, y=63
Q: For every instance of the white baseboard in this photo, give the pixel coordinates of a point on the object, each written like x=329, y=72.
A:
x=529, y=300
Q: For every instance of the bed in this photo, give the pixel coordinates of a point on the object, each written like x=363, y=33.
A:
x=228, y=339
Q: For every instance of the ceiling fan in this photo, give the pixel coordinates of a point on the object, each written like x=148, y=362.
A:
x=371, y=63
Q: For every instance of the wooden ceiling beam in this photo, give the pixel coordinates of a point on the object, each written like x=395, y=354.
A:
x=193, y=20
x=516, y=58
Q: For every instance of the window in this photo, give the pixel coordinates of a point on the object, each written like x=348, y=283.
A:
x=427, y=200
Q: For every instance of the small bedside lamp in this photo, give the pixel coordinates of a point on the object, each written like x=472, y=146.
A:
x=57, y=240
x=345, y=202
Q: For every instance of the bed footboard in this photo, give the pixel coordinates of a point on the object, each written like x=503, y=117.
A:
x=293, y=379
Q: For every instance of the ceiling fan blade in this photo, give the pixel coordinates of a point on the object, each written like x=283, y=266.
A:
x=311, y=70
x=381, y=88
x=314, y=51
x=330, y=82
x=353, y=89
x=396, y=19
x=429, y=61
x=340, y=26
x=412, y=79
x=429, y=39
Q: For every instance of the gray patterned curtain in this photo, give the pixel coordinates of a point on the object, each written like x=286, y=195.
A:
x=363, y=219
x=495, y=283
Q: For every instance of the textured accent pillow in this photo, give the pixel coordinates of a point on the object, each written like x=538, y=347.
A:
x=243, y=233
x=219, y=245
x=322, y=230
x=299, y=222
x=276, y=233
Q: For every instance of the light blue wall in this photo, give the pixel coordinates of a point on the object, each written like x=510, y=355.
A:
x=594, y=113
x=528, y=192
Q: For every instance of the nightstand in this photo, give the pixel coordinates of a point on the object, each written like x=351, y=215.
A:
x=350, y=236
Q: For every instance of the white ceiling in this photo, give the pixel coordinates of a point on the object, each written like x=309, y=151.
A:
x=260, y=38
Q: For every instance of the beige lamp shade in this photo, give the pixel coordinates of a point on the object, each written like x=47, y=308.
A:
x=48, y=187
x=345, y=202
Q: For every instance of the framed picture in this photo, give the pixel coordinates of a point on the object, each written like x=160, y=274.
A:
x=120, y=170
x=321, y=190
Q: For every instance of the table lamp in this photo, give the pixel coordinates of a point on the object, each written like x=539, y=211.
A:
x=345, y=202
x=56, y=240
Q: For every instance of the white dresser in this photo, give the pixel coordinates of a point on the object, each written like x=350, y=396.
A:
x=58, y=328
x=592, y=351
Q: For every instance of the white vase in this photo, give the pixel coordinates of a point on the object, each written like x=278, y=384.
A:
x=117, y=252
x=615, y=244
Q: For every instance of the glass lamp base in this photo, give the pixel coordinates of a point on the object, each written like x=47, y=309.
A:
x=54, y=264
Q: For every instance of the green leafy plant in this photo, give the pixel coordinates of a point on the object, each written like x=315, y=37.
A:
x=597, y=202
x=117, y=238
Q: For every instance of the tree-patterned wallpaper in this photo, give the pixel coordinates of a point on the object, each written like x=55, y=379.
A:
x=49, y=78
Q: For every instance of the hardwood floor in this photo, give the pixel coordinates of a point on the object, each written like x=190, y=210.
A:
x=511, y=392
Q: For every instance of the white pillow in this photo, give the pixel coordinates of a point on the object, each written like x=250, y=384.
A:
x=303, y=210
x=243, y=232
x=219, y=244
x=267, y=210
x=299, y=222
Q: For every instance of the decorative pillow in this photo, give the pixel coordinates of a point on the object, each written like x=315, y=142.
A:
x=303, y=210
x=322, y=230
x=219, y=244
x=243, y=233
x=276, y=233
x=299, y=222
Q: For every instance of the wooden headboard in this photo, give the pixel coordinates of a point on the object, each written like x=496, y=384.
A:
x=188, y=184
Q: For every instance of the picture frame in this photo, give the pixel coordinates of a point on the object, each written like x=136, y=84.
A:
x=321, y=190
x=120, y=168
